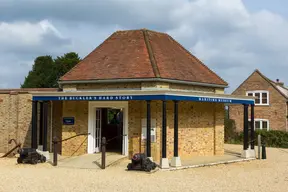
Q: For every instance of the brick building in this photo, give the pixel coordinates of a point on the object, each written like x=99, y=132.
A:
x=270, y=103
x=140, y=84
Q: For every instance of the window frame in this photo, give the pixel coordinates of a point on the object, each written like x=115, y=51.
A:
x=261, y=123
x=261, y=101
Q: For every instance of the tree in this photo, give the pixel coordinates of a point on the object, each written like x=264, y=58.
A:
x=40, y=73
x=64, y=64
x=46, y=72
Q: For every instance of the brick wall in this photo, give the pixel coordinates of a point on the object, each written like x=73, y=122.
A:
x=201, y=130
x=134, y=126
x=77, y=145
x=102, y=86
x=219, y=129
x=143, y=85
x=177, y=86
x=57, y=122
x=192, y=88
x=275, y=112
x=154, y=85
x=15, y=120
x=16, y=116
x=219, y=91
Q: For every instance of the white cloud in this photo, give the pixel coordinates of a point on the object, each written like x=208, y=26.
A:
x=21, y=42
x=24, y=32
x=233, y=41
x=28, y=36
x=230, y=39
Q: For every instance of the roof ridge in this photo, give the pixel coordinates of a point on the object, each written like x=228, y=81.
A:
x=141, y=29
x=153, y=31
x=151, y=54
x=82, y=60
x=270, y=81
x=284, y=87
x=191, y=55
x=276, y=84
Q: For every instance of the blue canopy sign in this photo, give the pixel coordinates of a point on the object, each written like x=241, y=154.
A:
x=144, y=97
x=94, y=98
x=217, y=100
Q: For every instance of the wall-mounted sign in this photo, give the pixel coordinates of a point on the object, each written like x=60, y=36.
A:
x=153, y=130
x=217, y=100
x=68, y=120
x=94, y=98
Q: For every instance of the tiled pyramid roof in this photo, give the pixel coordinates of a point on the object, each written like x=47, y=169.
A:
x=141, y=54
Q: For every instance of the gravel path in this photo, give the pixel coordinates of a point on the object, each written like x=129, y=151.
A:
x=259, y=175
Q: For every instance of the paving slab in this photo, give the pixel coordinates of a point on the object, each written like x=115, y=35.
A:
x=87, y=161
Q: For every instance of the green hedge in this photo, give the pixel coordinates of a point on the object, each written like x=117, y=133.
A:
x=275, y=138
x=272, y=138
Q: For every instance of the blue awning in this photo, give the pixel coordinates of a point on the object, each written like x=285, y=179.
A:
x=110, y=97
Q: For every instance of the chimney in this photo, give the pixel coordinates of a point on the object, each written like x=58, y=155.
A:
x=279, y=83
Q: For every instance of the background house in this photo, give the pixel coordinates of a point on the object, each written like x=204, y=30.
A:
x=270, y=103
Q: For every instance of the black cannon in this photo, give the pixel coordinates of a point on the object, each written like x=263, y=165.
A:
x=141, y=163
x=30, y=155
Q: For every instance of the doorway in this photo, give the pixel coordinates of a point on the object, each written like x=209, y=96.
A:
x=109, y=124
x=112, y=128
x=110, y=120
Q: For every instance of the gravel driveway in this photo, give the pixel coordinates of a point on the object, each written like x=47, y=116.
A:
x=259, y=175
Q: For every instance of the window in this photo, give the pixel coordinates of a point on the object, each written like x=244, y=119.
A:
x=257, y=124
x=262, y=124
x=261, y=97
x=265, y=98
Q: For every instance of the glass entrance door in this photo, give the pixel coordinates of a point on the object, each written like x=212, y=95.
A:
x=98, y=130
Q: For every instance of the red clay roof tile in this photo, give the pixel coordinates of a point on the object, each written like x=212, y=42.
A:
x=139, y=54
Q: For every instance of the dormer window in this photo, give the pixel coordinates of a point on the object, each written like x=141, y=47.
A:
x=261, y=97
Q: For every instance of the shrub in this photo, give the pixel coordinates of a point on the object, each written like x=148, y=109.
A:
x=274, y=138
x=237, y=139
x=229, y=129
x=271, y=138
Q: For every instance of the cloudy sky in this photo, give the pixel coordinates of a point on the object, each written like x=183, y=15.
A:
x=232, y=37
